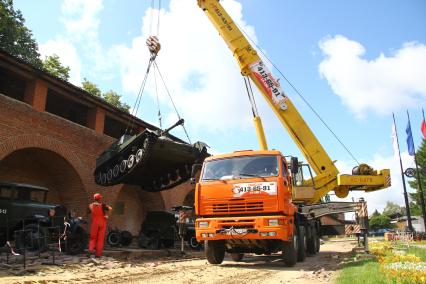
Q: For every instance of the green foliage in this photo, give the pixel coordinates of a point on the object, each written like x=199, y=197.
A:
x=111, y=97
x=380, y=222
x=53, y=65
x=421, y=160
x=15, y=38
x=392, y=209
x=375, y=213
x=115, y=99
x=91, y=88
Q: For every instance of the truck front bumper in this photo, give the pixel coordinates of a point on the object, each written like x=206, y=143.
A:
x=258, y=227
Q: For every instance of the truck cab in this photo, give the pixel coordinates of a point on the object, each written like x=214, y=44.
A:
x=244, y=202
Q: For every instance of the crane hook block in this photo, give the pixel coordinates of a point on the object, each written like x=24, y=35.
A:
x=153, y=44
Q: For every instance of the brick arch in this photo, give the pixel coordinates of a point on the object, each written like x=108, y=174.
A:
x=131, y=205
x=20, y=142
x=64, y=173
x=176, y=196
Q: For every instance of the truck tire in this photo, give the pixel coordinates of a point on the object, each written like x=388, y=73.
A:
x=318, y=243
x=113, y=238
x=32, y=238
x=301, y=248
x=194, y=244
x=76, y=242
x=237, y=256
x=290, y=249
x=215, y=251
x=312, y=241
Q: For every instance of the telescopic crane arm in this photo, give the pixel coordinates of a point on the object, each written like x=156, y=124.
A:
x=327, y=175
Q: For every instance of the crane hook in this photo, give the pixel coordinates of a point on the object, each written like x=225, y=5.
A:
x=154, y=45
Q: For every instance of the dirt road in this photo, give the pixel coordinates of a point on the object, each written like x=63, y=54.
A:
x=253, y=269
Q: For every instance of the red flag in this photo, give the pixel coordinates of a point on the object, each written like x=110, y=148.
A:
x=424, y=128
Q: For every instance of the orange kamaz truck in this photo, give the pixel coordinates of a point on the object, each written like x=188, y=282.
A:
x=262, y=201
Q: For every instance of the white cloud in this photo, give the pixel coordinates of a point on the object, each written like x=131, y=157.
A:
x=67, y=54
x=80, y=17
x=377, y=199
x=383, y=84
x=198, y=67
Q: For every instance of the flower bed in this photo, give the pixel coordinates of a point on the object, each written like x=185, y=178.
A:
x=397, y=265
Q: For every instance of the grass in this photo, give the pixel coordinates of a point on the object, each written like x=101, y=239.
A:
x=364, y=272
x=420, y=252
x=368, y=271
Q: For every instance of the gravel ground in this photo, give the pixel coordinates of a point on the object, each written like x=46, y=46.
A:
x=192, y=268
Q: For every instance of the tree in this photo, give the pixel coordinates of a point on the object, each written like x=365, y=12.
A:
x=380, y=222
x=114, y=99
x=15, y=38
x=53, y=65
x=415, y=197
x=375, y=213
x=392, y=210
x=91, y=88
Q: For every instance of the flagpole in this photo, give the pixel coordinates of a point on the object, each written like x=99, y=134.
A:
x=407, y=204
x=419, y=184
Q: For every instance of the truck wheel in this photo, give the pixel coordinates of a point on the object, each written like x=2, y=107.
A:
x=318, y=243
x=76, y=242
x=290, y=249
x=312, y=241
x=215, y=251
x=32, y=238
x=194, y=244
x=113, y=238
x=301, y=249
x=237, y=256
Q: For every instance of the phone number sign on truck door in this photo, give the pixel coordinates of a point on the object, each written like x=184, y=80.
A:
x=252, y=188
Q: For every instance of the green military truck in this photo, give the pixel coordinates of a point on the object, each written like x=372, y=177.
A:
x=30, y=223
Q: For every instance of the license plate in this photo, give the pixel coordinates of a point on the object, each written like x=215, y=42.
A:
x=235, y=231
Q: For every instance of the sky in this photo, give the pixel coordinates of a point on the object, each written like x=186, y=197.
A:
x=355, y=62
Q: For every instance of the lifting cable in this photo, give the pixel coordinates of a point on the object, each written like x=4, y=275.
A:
x=300, y=95
x=171, y=99
x=154, y=48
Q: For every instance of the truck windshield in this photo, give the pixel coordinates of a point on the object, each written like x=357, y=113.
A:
x=240, y=167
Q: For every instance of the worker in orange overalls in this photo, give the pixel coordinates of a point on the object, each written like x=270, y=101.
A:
x=99, y=213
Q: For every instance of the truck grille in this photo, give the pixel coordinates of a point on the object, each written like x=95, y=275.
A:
x=237, y=207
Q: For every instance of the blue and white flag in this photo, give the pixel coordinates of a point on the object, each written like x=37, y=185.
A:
x=410, y=141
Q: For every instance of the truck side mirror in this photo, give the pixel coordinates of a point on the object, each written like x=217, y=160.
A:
x=195, y=169
x=294, y=165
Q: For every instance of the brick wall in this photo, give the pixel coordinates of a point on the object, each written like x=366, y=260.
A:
x=43, y=149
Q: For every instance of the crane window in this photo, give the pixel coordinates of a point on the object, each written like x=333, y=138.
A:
x=241, y=167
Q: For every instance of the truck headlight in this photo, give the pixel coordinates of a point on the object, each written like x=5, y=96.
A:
x=273, y=222
x=203, y=224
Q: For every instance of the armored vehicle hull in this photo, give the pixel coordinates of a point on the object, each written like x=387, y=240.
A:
x=149, y=160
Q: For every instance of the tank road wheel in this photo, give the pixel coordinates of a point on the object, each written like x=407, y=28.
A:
x=139, y=155
x=301, y=248
x=215, y=251
x=290, y=249
x=237, y=256
x=116, y=171
x=123, y=166
x=104, y=179
x=312, y=241
x=109, y=175
x=131, y=161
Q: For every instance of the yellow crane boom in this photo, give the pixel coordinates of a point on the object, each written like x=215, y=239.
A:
x=327, y=175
